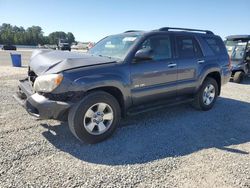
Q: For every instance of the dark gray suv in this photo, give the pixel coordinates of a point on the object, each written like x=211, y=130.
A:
x=125, y=74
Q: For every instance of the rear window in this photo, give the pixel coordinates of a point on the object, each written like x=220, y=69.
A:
x=216, y=45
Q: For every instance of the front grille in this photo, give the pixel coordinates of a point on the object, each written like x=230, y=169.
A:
x=32, y=76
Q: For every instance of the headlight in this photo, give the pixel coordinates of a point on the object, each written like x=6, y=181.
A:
x=47, y=83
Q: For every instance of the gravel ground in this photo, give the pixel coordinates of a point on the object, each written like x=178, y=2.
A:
x=174, y=147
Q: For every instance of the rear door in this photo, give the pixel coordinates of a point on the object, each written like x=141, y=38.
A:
x=189, y=60
x=154, y=79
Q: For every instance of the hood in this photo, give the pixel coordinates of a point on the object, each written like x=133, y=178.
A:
x=52, y=61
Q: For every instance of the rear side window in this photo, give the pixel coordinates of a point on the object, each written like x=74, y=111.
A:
x=216, y=45
x=188, y=47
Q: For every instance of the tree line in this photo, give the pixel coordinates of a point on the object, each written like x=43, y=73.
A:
x=31, y=36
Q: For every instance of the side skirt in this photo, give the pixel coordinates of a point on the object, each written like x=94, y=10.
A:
x=158, y=105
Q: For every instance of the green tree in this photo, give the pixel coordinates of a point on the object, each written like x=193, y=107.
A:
x=45, y=40
x=70, y=37
x=31, y=36
x=34, y=35
x=7, y=34
x=55, y=36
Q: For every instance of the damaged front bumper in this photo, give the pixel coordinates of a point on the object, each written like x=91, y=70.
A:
x=39, y=106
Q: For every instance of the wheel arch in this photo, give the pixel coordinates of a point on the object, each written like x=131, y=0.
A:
x=116, y=93
x=215, y=75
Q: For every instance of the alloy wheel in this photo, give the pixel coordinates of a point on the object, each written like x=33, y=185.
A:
x=98, y=118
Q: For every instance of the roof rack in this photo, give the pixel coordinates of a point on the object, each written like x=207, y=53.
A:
x=236, y=37
x=130, y=31
x=185, y=29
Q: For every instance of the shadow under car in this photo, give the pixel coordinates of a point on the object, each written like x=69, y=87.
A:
x=170, y=132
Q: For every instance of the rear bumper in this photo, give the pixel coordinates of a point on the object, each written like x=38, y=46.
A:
x=39, y=106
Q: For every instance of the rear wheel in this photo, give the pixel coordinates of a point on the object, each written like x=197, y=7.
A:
x=95, y=118
x=207, y=95
x=238, y=76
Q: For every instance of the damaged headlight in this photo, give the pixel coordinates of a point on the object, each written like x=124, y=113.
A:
x=47, y=83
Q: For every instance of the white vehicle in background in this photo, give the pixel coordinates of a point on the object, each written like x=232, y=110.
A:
x=238, y=47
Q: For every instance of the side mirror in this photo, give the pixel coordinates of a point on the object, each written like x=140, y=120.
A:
x=143, y=54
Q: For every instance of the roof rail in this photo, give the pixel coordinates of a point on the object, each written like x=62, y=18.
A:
x=130, y=31
x=236, y=37
x=185, y=29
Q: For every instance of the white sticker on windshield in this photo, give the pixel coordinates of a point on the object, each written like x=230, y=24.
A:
x=109, y=46
x=130, y=39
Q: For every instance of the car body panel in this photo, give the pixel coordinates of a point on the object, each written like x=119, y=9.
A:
x=50, y=61
x=152, y=79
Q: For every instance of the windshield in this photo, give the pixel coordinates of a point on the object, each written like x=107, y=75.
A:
x=63, y=41
x=116, y=46
x=236, y=49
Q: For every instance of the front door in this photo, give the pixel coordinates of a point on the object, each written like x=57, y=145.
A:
x=156, y=78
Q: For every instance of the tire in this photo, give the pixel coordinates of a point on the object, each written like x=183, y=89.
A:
x=84, y=126
x=238, y=76
x=199, y=102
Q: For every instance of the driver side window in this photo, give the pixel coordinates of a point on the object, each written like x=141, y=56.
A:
x=159, y=46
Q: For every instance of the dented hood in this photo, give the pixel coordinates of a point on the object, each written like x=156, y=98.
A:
x=52, y=61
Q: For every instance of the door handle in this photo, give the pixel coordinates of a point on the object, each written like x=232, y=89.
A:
x=172, y=65
x=201, y=61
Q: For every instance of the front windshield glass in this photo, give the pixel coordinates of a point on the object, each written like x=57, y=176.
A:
x=236, y=49
x=116, y=46
x=63, y=41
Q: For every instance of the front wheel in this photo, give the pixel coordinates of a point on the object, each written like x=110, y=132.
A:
x=207, y=95
x=95, y=118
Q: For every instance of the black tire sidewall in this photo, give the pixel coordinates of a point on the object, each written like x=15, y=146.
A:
x=77, y=115
x=204, y=85
x=238, y=77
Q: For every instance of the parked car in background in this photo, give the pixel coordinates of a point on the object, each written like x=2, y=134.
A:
x=238, y=47
x=50, y=46
x=8, y=47
x=63, y=44
x=125, y=74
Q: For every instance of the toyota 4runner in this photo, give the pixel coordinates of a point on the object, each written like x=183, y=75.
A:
x=125, y=74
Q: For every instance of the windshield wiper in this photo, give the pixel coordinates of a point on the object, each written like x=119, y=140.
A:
x=116, y=59
x=105, y=56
